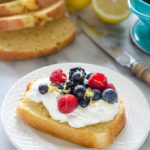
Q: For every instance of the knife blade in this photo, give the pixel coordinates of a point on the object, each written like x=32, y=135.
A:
x=120, y=56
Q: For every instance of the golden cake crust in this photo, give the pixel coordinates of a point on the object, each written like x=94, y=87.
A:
x=18, y=54
x=33, y=19
x=11, y=8
x=97, y=136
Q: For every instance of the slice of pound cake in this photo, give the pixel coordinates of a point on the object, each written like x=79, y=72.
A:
x=35, y=42
x=14, y=7
x=33, y=19
x=79, y=107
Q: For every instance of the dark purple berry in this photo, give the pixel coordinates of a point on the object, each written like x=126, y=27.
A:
x=78, y=77
x=43, y=88
x=85, y=83
x=75, y=69
x=110, y=96
x=79, y=91
x=97, y=94
x=84, y=102
x=88, y=75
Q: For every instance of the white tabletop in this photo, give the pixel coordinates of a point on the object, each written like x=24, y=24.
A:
x=82, y=50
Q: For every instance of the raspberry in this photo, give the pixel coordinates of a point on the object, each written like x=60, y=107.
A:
x=67, y=103
x=58, y=77
x=98, y=81
x=111, y=86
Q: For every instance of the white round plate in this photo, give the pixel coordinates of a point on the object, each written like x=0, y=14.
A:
x=24, y=137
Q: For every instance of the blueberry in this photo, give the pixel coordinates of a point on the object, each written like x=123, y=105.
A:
x=43, y=88
x=88, y=75
x=110, y=96
x=65, y=88
x=84, y=102
x=79, y=91
x=97, y=94
x=75, y=69
x=85, y=83
x=78, y=77
x=68, y=85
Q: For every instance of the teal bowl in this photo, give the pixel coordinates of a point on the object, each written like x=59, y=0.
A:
x=140, y=32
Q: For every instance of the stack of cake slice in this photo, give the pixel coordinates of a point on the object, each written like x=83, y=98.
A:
x=33, y=28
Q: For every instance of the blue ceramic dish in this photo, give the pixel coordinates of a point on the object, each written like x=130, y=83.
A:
x=140, y=32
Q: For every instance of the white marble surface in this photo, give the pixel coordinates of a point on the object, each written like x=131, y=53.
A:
x=82, y=50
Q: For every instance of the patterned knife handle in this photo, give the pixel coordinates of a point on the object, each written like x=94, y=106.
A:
x=142, y=72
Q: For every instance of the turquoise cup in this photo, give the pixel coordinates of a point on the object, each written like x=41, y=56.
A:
x=140, y=32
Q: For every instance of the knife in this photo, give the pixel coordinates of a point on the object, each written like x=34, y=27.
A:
x=121, y=57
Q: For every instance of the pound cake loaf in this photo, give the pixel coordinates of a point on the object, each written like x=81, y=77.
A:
x=33, y=19
x=35, y=42
x=86, y=113
x=14, y=7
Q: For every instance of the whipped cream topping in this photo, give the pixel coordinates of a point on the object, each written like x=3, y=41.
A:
x=98, y=111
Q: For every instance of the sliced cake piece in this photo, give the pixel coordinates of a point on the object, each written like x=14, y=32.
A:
x=14, y=7
x=56, y=10
x=35, y=42
x=98, y=135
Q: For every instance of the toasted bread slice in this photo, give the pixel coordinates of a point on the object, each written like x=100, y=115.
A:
x=99, y=135
x=33, y=19
x=36, y=42
x=14, y=7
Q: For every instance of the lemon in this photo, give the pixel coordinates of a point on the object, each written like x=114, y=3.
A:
x=74, y=5
x=111, y=11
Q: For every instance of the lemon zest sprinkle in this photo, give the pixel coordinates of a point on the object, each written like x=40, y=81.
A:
x=94, y=105
x=91, y=102
x=49, y=86
x=53, y=89
x=88, y=93
x=106, y=102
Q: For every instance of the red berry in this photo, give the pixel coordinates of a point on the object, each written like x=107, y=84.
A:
x=111, y=86
x=98, y=81
x=58, y=77
x=67, y=103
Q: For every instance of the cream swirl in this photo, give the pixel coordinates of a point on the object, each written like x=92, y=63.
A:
x=98, y=111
